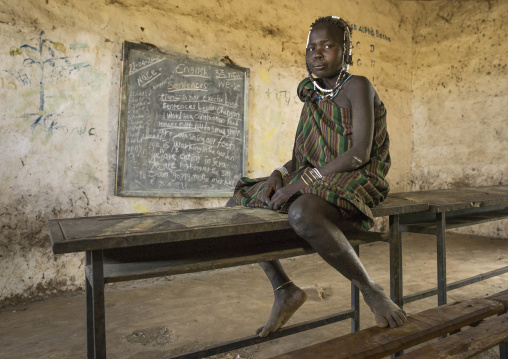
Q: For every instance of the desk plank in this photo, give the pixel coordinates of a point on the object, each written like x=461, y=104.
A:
x=467, y=343
x=394, y=205
x=456, y=199
x=118, y=231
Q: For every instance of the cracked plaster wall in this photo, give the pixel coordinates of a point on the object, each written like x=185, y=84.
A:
x=460, y=90
x=58, y=122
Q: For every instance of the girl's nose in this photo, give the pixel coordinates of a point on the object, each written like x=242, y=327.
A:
x=318, y=54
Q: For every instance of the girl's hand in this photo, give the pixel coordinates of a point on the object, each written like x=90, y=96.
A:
x=282, y=195
x=272, y=185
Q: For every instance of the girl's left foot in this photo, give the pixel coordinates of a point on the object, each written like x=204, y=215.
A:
x=386, y=312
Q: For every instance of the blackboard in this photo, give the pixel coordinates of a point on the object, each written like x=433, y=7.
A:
x=182, y=127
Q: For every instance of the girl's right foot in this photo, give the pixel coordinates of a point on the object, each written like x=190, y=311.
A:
x=287, y=300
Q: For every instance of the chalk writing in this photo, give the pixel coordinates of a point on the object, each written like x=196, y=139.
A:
x=184, y=126
x=143, y=64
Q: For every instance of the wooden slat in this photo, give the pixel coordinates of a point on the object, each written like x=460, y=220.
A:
x=117, y=231
x=393, y=206
x=502, y=190
x=90, y=233
x=118, y=272
x=501, y=297
x=456, y=199
x=169, y=259
x=380, y=342
x=467, y=343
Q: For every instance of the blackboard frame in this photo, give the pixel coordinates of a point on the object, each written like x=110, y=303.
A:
x=123, y=124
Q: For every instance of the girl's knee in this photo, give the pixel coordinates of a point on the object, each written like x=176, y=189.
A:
x=303, y=217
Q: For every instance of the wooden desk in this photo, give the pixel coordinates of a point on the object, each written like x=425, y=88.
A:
x=136, y=246
x=449, y=209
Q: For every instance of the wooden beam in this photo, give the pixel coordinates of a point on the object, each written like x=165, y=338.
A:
x=467, y=343
x=381, y=342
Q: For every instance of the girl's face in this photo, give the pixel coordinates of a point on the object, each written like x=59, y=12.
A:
x=324, y=51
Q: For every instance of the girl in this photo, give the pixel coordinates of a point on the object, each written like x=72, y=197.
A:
x=340, y=160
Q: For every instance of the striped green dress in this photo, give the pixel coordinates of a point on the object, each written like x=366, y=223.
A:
x=325, y=132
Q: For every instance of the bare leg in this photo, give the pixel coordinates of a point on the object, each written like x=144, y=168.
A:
x=287, y=299
x=318, y=222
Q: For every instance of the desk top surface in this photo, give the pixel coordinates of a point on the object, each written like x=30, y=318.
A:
x=90, y=233
x=456, y=199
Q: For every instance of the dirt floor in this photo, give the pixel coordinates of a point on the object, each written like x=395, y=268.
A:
x=161, y=317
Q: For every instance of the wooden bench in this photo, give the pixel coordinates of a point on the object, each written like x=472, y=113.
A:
x=487, y=315
x=137, y=246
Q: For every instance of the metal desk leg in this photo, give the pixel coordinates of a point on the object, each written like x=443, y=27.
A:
x=95, y=312
x=396, y=291
x=355, y=301
x=503, y=350
x=441, y=258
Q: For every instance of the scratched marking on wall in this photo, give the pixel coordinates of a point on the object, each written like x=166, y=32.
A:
x=370, y=31
x=43, y=57
x=361, y=49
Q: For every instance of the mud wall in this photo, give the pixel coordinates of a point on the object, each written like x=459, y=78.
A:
x=460, y=127
x=60, y=64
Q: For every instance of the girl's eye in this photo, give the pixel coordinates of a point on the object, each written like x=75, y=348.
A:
x=309, y=49
x=328, y=46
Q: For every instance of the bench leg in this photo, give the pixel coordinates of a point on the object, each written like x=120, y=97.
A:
x=95, y=312
x=355, y=301
x=441, y=258
x=396, y=292
x=503, y=350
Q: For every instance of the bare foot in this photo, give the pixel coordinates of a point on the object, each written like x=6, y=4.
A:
x=287, y=300
x=386, y=312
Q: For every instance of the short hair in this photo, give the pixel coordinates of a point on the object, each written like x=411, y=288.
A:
x=341, y=24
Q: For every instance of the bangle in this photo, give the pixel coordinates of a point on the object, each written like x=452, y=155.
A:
x=315, y=172
x=312, y=176
x=309, y=178
x=282, y=170
x=303, y=178
x=281, y=173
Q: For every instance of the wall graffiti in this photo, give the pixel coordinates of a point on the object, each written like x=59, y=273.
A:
x=366, y=50
x=44, y=57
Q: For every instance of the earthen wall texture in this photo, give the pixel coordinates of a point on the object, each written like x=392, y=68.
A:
x=60, y=66
x=460, y=89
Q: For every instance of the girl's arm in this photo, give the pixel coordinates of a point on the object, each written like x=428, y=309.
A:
x=361, y=95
